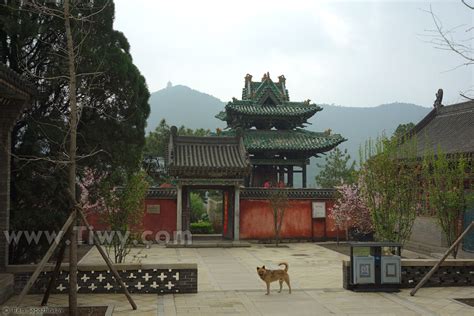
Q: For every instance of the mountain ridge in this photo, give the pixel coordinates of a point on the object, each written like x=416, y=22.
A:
x=182, y=105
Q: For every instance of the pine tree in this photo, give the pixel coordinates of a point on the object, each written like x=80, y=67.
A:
x=336, y=170
x=111, y=94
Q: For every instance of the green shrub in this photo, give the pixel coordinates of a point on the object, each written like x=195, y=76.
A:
x=201, y=228
x=197, y=207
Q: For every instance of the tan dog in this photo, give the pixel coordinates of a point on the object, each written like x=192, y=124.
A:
x=275, y=275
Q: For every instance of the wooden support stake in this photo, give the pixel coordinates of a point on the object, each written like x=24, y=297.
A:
x=446, y=254
x=43, y=261
x=107, y=260
x=73, y=268
x=54, y=275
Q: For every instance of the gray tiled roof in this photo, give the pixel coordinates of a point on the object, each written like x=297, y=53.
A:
x=15, y=81
x=208, y=157
x=449, y=127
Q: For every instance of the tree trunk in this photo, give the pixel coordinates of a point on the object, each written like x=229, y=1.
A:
x=72, y=160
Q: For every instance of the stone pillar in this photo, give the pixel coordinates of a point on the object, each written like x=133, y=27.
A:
x=4, y=191
x=290, y=176
x=237, y=213
x=303, y=175
x=179, y=208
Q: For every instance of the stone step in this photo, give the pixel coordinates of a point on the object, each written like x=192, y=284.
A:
x=214, y=237
x=210, y=244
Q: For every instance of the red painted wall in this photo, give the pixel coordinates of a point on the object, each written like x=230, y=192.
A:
x=256, y=221
x=165, y=221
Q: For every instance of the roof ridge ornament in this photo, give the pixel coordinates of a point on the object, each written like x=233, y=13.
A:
x=282, y=81
x=266, y=76
x=306, y=102
x=439, y=98
x=248, y=85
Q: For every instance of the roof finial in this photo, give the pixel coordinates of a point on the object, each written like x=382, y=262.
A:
x=248, y=85
x=439, y=99
x=174, y=131
x=266, y=76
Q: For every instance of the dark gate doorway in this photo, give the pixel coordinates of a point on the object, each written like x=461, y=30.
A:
x=193, y=192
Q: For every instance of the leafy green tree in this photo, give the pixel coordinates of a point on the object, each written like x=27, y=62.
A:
x=402, y=130
x=389, y=186
x=445, y=193
x=111, y=118
x=337, y=169
x=197, y=207
x=156, y=142
x=123, y=212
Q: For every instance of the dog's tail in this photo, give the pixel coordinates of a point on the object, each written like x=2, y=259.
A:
x=284, y=264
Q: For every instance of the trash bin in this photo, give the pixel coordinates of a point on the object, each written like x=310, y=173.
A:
x=375, y=266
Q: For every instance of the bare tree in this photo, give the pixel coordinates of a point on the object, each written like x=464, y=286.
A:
x=456, y=39
x=279, y=203
x=70, y=54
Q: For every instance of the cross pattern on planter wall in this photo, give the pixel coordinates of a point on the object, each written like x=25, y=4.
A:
x=160, y=281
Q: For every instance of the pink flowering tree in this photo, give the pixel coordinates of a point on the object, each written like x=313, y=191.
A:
x=350, y=211
x=120, y=207
x=89, y=185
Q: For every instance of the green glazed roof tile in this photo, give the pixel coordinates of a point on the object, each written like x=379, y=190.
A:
x=286, y=109
x=288, y=140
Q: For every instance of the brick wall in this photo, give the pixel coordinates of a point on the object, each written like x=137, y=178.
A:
x=143, y=279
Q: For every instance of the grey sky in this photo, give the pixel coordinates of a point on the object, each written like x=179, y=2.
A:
x=350, y=53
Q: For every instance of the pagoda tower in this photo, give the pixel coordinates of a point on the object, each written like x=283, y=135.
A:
x=273, y=131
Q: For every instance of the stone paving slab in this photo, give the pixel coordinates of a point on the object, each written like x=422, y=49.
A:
x=228, y=285
x=311, y=266
x=317, y=302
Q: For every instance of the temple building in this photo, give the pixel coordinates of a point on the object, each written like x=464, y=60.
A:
x=265, y=142
x=273, y=131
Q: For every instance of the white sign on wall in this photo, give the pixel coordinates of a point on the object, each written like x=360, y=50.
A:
x=319, y=209
x=153, y=209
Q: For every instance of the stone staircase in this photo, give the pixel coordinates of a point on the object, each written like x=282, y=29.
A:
x=209, y=241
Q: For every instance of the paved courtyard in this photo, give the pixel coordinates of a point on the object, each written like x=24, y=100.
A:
x=228, y=285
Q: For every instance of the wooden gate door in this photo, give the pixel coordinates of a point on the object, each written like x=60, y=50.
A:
x=228, y=216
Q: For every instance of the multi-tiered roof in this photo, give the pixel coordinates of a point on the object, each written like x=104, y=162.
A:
x=272, y=125
x=272, y=122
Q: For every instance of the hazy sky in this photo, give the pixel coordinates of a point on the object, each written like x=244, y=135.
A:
x=350, y=53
